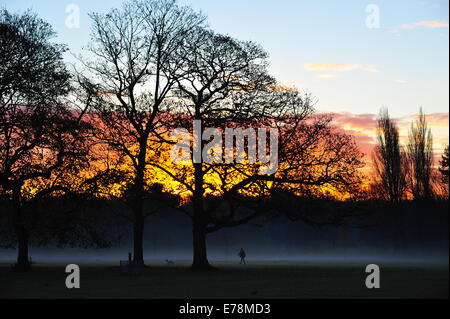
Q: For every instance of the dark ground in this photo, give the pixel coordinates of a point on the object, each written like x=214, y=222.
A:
x=287, y=280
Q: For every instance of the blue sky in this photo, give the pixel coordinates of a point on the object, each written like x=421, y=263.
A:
x=321, y=46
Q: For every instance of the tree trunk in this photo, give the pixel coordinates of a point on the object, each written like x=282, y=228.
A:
x=199, y=223
x=23, y=262
x=138, y=239
x=200, y=260
x=137, y=204
x=138, y=225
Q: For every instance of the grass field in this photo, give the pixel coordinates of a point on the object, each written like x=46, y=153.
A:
x=258, y=280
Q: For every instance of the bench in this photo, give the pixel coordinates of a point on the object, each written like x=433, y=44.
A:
x=130, y=268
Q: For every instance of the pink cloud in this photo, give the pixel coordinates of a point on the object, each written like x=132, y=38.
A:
x=355, y=121
x=428, y=24
x=363, y=129
x=436, y=120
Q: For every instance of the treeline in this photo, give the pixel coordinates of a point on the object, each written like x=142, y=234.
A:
x=101, y=133
x=407, y=171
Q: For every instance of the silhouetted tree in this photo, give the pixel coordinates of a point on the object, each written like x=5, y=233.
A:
x=442, y=181
x=420, y=156
x=213, y=66
x=224, y=83
x=444, y=166
x=41, y=138
x=389, y=159
x=128, y=82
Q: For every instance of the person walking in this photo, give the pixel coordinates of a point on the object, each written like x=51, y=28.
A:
x=242, y=255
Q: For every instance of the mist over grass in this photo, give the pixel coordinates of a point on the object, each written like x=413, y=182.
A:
x=405, y=236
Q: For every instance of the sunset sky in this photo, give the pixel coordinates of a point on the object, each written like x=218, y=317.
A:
x=326, y=48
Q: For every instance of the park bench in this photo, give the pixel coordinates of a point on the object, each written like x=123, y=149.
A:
x=130, y=268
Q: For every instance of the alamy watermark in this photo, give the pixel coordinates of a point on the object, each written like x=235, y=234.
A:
x=235, y=150
x=373, y=20
x=73, y=279
x=73, y=16
x=373, y=279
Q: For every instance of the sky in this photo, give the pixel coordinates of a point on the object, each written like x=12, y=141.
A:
x=354, y=56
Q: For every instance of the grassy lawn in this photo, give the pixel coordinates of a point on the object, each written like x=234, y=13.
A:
x=258, y=280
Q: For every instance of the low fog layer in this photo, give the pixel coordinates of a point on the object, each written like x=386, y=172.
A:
x=409, y=237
